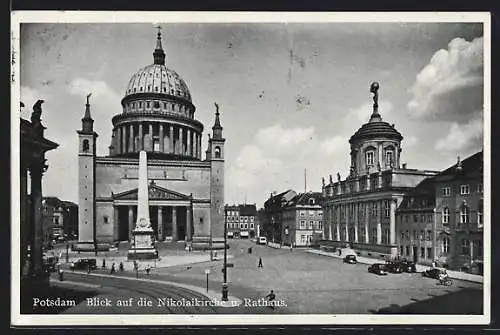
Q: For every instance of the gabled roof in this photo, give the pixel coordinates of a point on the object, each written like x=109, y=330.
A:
x=304, y=199
x=155, y=192
x=472, y=166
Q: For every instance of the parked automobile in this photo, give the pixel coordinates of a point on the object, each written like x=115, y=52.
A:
x=84, y=264
x=378, y=268
x=262, y=240
x=433, y=273
x=230, y=234
x=350, y=259
x=394, y=267
x=408, y=266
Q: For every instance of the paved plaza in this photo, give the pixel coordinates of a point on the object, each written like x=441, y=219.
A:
x=309, y=283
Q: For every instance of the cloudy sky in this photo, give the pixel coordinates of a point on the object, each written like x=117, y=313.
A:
x=290, y=95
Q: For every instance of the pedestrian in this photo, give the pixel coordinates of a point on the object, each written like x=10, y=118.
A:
x=61, y=274
x=433, y=264
x=113, y=269
x=260, y=263
x=271, y=297
x=88, y=268
x=103, y=263
x=148, y=268
x=121, y=267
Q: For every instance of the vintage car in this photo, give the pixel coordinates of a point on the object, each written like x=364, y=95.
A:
x=433, y=273
x=350, y=259
x=84, y=264
x=378, y=268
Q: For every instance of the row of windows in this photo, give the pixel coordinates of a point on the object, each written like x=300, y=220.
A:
x=241, y=225
x=240, y=218
x=311, y=224
x=423, y=235
x=464, y=190
x=156, y=105
x=464, y=215
x=472, y=247
x=157, y=89
x=311, y=212
x=405, y=251
x=370, y=157
x=419, y=218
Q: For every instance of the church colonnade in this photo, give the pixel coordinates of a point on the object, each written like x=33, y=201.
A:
x=168, y=222
x=168, y=138
x=362, y=222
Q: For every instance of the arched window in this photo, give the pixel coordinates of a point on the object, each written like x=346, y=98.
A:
x=464, y=214
x=446, y=215
x=370, y=157
x=217, y=152
x=85, y=146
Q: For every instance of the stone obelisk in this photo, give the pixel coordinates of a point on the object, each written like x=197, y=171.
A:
x=142, y=246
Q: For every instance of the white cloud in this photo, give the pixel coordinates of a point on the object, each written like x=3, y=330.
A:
x=463, y=137
x=276, y=136
x=334, y=145
x=450, y=87
x=410, y=141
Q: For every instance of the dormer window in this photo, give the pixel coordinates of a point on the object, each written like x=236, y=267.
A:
x=311, y=201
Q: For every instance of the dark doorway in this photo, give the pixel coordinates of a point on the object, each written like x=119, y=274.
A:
x=153, y=217
x=181, y=223
x=415, y=254
x=122, y=223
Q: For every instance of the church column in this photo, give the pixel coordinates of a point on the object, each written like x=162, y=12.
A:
x=181, y=142
x=171, y=139
x=338, y=221
x=195, y=143
x=150, y=136
x=131, y=138
x=162, y=142
x=189, y=149
x=174, y=224
x=379, y=222
x=380, y=155
x=347, y=219
x=36, y=229
x=367, y=220
x=160, y=223
x=393, y=222
x=116, y=223
x=141, y=138
x=188, y=223
x=118, y=141
x=330, y=222
x=356, y=208
x=124, y=138
x=130, y=221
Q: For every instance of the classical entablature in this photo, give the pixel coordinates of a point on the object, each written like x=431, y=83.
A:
x=155, y=194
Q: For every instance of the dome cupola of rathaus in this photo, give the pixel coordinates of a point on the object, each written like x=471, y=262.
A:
x=157, y=114
x=376, y=145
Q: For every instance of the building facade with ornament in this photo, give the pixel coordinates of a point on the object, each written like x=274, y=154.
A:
x=360, y=210
x=186, y=186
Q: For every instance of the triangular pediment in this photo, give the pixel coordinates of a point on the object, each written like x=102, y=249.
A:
x=155, y=192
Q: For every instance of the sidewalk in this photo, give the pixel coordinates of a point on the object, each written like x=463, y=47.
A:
x=420, y=268
x=211, y=294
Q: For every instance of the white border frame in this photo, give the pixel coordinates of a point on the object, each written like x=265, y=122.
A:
x=19, y=17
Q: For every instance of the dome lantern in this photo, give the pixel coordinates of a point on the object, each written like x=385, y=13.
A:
x=159, y=54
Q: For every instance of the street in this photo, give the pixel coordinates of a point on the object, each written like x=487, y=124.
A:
x=303, y=283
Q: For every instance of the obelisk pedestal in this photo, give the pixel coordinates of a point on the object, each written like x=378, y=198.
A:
x=142, y=246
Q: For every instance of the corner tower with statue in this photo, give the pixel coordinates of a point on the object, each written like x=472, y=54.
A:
x=185, y=191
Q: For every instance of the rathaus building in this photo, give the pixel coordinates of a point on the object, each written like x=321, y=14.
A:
x=360, y=210
x=186, y=192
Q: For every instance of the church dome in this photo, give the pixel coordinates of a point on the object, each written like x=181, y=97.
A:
x=376, y=128
x=157, y=78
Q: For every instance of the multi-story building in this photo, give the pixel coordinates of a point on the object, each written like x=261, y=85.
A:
x=273, y=227
x=297, y=221
x=417, y=232
x=60, y=219
x=441, y=220
x=186, y=192
x=241, y=220
x=459, y=209
x=361, y=209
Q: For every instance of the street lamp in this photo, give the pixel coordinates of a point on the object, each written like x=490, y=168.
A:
x=207, y=272
x=224, y=284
